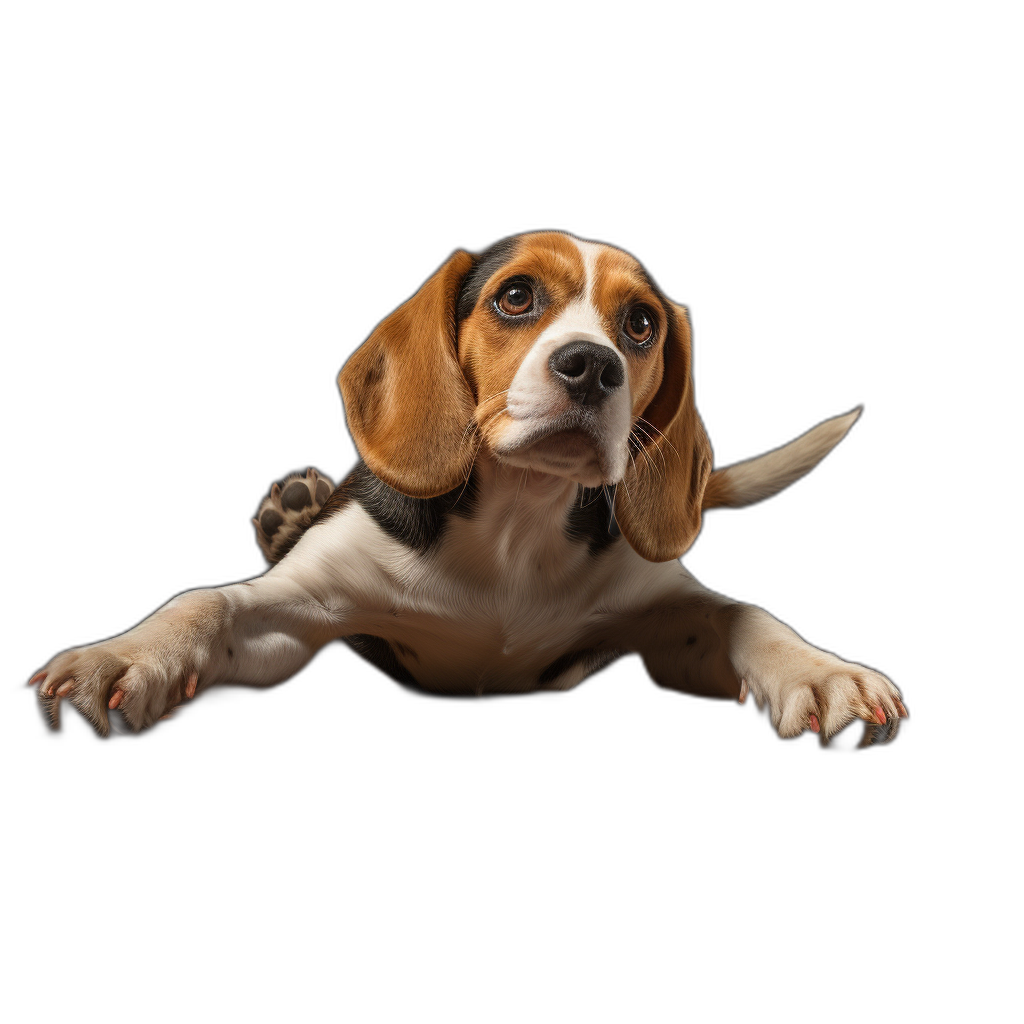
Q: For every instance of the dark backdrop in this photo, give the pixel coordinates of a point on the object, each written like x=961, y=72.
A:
x=198, y=286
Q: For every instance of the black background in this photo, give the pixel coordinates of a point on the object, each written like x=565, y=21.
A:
x=198, y=275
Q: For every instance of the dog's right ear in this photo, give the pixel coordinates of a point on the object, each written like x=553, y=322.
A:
x=658, y=504
x=407, y=403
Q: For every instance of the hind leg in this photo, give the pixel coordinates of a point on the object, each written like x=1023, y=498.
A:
x=289, y=508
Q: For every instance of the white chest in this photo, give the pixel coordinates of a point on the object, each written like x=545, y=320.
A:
x=501, y=603
x=492, y=609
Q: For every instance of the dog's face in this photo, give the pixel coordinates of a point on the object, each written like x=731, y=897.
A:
x=561, y=342
x=555, y=355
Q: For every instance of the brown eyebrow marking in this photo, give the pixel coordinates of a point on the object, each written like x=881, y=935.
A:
x=555, y=259
x=620, y=279
x=489, y=262
x=550, y=256
x=491, y=348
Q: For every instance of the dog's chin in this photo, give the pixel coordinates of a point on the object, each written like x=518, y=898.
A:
x=573, y=454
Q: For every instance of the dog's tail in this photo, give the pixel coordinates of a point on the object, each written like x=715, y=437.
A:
x=745, y=483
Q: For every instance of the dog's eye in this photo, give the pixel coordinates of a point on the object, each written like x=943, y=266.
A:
x=516, y=299
x=639, y=325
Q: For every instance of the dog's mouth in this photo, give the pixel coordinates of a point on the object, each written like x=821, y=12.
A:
x=573, y=445
x=565, y=449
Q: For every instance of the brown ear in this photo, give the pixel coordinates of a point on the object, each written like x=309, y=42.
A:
x=657, y=504
x=407, y=403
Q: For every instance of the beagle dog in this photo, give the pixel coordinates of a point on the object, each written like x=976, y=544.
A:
x=532, y=467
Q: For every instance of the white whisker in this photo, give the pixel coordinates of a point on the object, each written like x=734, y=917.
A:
x=655, y=468
x=636, y=426
x=495, y=395
x=660, y=433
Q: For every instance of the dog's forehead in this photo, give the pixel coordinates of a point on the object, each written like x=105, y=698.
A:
x=587, y=269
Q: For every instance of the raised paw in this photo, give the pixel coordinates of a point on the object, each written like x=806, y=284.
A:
x=289, y=508
x=817, y=691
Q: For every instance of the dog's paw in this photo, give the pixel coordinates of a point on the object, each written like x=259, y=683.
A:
x=287, y=511
x=817, y=691
x=133, y=678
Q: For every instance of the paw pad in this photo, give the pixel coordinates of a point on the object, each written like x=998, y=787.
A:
x=296, y=495
x=270, y=520
x=287, y=511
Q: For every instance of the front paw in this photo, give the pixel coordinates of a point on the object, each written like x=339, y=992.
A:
x=138, y=680
x=817, y=691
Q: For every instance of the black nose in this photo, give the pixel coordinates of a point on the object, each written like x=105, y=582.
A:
x=590, y=372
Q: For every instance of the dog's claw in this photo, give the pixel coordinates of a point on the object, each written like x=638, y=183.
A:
x=190, y=688
x=814, y=723
x=744, y=690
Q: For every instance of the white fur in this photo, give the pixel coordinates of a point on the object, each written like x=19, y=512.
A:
x=759, y=478
x=536, y=400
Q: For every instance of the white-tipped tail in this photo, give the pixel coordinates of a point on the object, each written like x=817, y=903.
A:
x=744, y=483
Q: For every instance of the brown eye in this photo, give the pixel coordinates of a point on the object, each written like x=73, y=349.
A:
x=516, y=299
x=639, y=325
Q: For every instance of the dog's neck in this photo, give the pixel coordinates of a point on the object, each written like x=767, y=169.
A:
x=535, y=513
x=503, y=519
x=520, y=491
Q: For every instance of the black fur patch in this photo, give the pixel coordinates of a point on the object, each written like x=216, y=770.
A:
x=379, y=652
x=487, y=263
x=416, y=522
x=339, y=498
x=591, y=518
x=593, y=659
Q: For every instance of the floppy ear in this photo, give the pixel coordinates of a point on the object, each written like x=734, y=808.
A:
x=407, y=403
x=657, y=504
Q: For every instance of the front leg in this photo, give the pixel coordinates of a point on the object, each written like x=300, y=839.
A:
x=701, y=642
x=261, y=631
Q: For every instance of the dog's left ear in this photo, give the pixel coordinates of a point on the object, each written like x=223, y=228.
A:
x=658, y=502
x=407, y=403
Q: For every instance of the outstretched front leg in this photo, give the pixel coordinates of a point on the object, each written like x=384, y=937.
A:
x=260, y=631
x=695, y=640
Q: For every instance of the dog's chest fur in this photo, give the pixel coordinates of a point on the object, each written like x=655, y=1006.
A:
x=508, y=596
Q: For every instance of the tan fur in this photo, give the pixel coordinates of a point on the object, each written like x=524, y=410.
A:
x=491, y=352
x=408, y=400
x=407, y=404
x=619, y=281
x=718, y=493
x=658, y=504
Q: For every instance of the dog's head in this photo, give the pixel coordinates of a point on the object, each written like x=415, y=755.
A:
x=555, y=354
